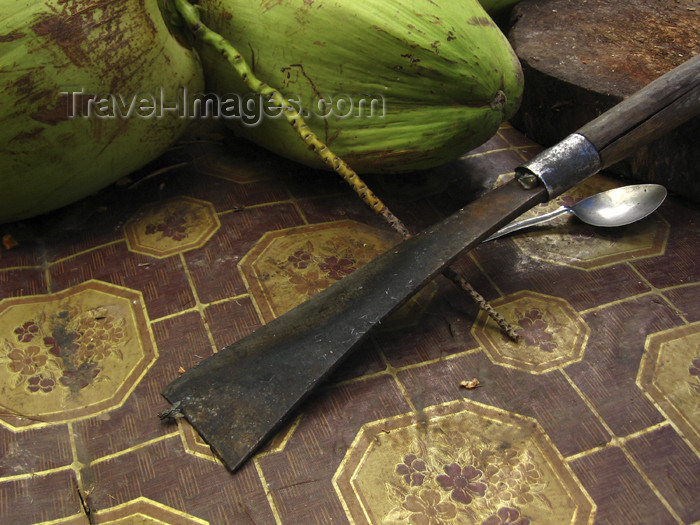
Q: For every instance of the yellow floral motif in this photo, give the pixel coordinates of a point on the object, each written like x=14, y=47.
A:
x=308, y=284
x=71, y=354
x=100, y=334
x=312, y=267
x=27, y=361
x=427, y=507
x=288, y=266
x=66, y=350
x=455, y=480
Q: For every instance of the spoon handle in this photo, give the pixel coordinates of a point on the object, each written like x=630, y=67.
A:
x=526, y=223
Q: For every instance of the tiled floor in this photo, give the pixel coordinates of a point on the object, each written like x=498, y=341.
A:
x=593, y=418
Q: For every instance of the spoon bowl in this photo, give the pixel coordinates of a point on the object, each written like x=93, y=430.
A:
x=616, y=207
x=620, y=206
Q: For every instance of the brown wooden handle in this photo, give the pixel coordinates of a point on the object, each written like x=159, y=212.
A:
x=659, y=107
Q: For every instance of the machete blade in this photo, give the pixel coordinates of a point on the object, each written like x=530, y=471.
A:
x=239, y=397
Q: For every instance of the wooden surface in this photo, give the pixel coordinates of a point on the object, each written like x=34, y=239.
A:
x=648, y=114
x=593, y=418
x=582, y=58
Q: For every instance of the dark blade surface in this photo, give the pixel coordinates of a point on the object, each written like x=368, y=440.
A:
x=237, y=398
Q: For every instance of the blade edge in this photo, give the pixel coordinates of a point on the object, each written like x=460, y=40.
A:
x=241, y=395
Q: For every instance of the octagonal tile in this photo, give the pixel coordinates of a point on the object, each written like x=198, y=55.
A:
x=552, y=333
x=144, y=511
x=670, y=374
x=288, y=266
x=171, y=227
x=463, y=463
x=568, y=241
x=71, y=354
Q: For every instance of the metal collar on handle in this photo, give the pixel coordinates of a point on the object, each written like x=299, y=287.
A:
x=562, y=166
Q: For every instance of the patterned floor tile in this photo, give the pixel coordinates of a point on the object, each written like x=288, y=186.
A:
x=343, y=206
x=145, y=511
x=72, y=354
x=619, y=491
x=670, y=375
x=513, y=270
x=214, y=267
x=162, y=282
x=298, y=477
x=171, y=227
x=42, y=498
x=607, y=373
x=22, y=281
x=686, y=300
x=180, y=340
x=34, y=450
x=236, y=174
x=672, y=468
x=549, y=398
x=229, y=321
x=552, y=333
x=163, y=472
x=678, y=266
x=287, y=267
x=23, y=250
x=465, y=463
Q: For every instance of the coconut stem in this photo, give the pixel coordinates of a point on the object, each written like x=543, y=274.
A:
x=190, y=16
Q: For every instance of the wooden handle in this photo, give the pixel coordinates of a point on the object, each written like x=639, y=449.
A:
x=659, y=107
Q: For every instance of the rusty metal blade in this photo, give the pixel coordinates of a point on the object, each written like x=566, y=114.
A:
x=240, y=396
x=237, y=398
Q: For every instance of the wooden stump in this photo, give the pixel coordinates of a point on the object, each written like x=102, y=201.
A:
x=581, y=58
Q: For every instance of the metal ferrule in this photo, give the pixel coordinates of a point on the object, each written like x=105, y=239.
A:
x=562, y=166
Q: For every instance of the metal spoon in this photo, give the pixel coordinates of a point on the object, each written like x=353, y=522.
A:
x=616, y=207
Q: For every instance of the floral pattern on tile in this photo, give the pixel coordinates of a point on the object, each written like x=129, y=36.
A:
x=287, y=267
x=465, y=463
x=670, y=374
x=535, y=329
x=462, y=480
x=71, y=354
x=174, y=226
x=68, y=350
x=552, y=332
